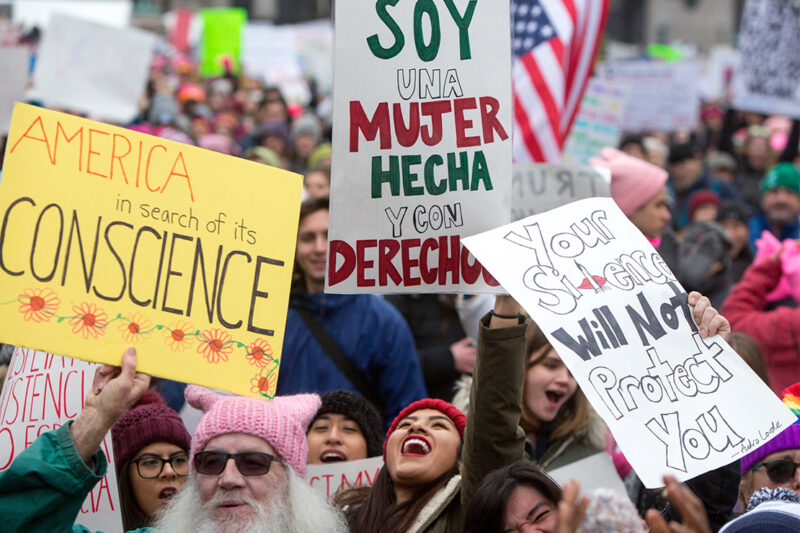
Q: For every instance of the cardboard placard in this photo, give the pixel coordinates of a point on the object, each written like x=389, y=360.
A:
x=658, y=96
x=114, y=13
x=42, y=392
x=421, y=144
x=537, y=188
x=111, y=238
x=328, y=479
x=594, y=472
x=14, y=64
x=599, y=122
x=223, y=28
x=98, y=70
x=768, y=78
x=620, y=321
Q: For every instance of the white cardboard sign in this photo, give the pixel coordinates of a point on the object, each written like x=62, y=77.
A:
x=14, y=64
x=42, y=392
x=93, y=69
x=421, y=143
x=328, y=479
x=599, y=122
x=536, y=188
x=594, y=472
x=620, y=321
x=659, y=96
x=768, y=78
x=29, y=13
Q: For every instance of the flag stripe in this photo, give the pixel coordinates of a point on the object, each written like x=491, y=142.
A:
x=550, y=80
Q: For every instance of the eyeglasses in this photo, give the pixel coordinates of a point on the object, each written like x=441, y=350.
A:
x=779, y=470
x=248, y=463
x=151, y=466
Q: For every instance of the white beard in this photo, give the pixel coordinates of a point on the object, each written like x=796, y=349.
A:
x=301, y=511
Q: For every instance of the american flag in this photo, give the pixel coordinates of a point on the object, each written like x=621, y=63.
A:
x=554, y=42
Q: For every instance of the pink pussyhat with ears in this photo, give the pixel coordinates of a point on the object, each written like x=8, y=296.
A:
x=633, y=181
x=281, y=422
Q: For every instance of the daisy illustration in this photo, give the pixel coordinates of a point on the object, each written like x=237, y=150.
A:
x=38, y=305
x=89, y=320
x=261, y=382
x=132, y=331
x=214, y=345
x=259, y=353
x=179, y=336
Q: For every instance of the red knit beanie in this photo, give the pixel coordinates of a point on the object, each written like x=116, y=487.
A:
x=447, y=409
x=148, y=421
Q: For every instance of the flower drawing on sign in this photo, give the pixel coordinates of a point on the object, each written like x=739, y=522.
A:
x=89, y=320
x=260, y=383
x=38, y=305
x=259, y=353
x=215, y=345
x=134, y=330
x=180, y=336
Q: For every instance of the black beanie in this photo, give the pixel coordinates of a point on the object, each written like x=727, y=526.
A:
x=355, y=407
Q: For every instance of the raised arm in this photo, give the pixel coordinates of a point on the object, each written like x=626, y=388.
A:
x=46, y=485
x=493, y=437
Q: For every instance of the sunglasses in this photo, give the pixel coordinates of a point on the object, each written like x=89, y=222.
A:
x=248, y=463
x=779, y=470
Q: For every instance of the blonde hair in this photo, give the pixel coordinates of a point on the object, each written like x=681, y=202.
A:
x=574, y=415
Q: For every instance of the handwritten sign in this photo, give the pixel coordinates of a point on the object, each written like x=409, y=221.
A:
x=659, y=96
x=594, y=472
x=222, y=39
x=328, y=479
x=620, y=321
x=111, y=238
x=14, y=64
x=768, y=78
x=538, y=188
x=421, y=145
x=30, y=13
x=599, y=121
x=43, y=392
x=93, y=69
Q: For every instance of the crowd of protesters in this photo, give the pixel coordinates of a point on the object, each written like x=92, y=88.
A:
x=478, y=405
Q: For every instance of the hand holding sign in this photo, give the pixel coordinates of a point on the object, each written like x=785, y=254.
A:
x=114, y=391
x=669, y=391
x=710, y=321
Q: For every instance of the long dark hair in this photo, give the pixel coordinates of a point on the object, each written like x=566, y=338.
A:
x=486, y=511
x=132, y=516
x=381, y=513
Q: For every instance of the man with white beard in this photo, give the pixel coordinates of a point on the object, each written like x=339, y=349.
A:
x=248, y=457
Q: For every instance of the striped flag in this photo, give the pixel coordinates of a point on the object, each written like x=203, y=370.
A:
x=554, y=44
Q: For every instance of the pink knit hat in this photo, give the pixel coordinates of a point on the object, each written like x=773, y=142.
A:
x=633, y=181
x=281, y=422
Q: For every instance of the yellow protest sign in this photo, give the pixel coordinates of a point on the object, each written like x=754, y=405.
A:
x=111, y=238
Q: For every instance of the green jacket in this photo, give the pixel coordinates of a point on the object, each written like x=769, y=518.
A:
x=45, y=486
x=492, y=438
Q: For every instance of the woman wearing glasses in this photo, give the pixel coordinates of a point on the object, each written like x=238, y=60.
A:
x=774, y=465
x=151, y=447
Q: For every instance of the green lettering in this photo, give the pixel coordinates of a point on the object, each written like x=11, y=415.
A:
x=458, y=173
x=433, y=188
x=480, y=172
x=409, y=177
x=399, y=40
x=380, y=176
x=463, y=25
x=427, y=52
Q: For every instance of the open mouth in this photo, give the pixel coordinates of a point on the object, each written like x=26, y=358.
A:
x=415, y=446
x=167, y=493
x=332, y=456
x=554, y=396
